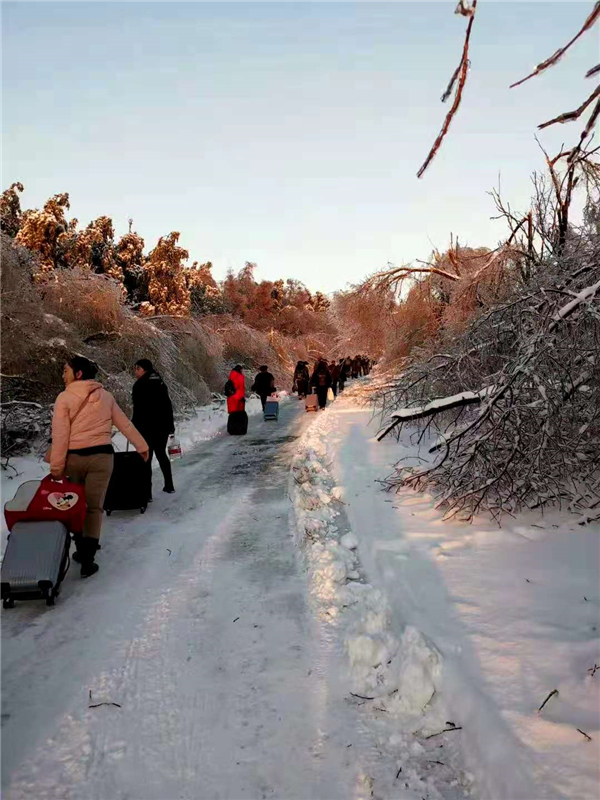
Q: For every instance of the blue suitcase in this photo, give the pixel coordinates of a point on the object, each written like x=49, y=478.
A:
x=272, y=409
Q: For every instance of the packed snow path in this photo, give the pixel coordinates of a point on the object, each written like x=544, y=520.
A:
x=198, y=627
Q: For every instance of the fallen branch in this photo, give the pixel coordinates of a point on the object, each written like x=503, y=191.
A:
x=588, y=293
x=361, y=697
x=552, y=693
x=436, y=407
x=97, y=705
x=21, y=403
x=583, y=733
x=446, y=730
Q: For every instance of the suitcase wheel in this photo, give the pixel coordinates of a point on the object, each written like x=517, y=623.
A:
x=8, y=602
x=108, y=512
x=143, y=509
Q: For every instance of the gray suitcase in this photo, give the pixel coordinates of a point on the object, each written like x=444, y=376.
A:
x=272, y=408
x=35, y=562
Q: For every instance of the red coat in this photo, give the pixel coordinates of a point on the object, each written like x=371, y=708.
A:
x=237, y=401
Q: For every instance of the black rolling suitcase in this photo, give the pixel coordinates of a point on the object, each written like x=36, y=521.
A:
x=130, y=484
x=237, y=423
x=35, y=561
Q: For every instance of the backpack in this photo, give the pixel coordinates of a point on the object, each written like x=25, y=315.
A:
x=229, y=388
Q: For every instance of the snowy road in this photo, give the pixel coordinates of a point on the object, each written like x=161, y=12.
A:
x=198, y=627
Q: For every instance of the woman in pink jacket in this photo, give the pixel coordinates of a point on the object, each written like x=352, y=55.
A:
x=84, y=415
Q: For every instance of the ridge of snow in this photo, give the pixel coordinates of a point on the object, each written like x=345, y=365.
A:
x=395, y=676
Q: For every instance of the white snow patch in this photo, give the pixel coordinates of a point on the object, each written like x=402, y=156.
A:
x=349, y=541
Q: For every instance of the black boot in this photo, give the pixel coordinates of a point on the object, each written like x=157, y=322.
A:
x=77, y=537
x=87, y=550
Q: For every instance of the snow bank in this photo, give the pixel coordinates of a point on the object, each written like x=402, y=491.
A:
x=394, y=671
x=491, y=620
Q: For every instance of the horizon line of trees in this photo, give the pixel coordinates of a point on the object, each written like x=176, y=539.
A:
x=161, y=282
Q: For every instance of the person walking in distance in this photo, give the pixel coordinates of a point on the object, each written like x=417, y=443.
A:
x=343, y=367
x=301, y=378
x=153, y=416
x=321, y=380
x=264, y=385
x=82, y=422
x=334, y=370
x=237, y=400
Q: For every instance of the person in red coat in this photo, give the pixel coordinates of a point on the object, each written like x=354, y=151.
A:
x=237, y=401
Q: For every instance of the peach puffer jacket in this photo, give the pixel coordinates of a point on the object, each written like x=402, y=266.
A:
x=93, y=425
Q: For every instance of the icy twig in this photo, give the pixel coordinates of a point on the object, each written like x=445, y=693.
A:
x=361, y=697
x=583, y=733
x=97, y=705
x=446, y=730
x=552, y=693
x=460, y=76
x=555, y=57
x=571, y=116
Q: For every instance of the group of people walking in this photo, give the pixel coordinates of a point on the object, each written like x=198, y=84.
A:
x=328, y=375
x=82, y=450
x=85, y=412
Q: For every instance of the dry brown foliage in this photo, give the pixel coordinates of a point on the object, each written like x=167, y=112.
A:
x=45, y=231
x=10, y=209
x=168, y=292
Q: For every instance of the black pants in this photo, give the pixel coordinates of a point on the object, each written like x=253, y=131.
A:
x=263, y=400
x=157, y=444
x=342, y=382
x=334, y=388
x=322, y=395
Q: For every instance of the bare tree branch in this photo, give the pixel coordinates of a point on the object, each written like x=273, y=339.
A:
x=555, y=57
x=570, y=116
x=459, y=75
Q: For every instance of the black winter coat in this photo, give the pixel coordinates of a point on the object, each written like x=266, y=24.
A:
x=152, y=409
x=321, y=380
x=264, y=383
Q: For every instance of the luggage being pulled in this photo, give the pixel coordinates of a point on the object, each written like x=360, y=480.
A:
x=48, y=500
x=130, y=484
x=35, y=561
x=311, y=402
x=237, y=423
x=272, y=408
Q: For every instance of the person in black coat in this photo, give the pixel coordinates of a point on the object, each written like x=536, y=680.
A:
x=321, y=380
x=153, y=414
x=264, y=385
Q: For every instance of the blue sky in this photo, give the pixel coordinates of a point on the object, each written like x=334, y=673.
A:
x=288, y=134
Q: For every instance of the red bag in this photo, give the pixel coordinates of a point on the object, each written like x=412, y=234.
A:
x=48, y=500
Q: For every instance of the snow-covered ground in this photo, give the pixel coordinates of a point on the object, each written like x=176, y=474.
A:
x=412, y=669
x=198, y=627
x=451, y=626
